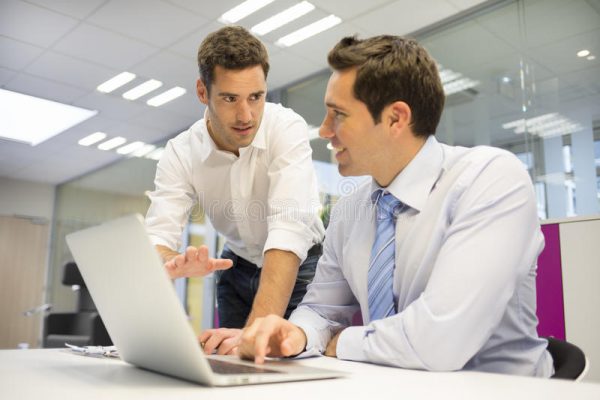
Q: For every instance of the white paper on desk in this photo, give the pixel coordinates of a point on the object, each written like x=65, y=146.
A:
x=106, y=351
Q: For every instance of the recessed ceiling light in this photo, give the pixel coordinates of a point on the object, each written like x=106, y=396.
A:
x=32, y=120
x=156, y=154
x=308, y=31
x=142, y=151
x=165, y=97
x=243, y=10
x=116, y=82
x=112, y=143
x=130, y=148
x=91, y=139
x=546, y=125
x=583, y=53
x=284, y=17
x=455, y=82
x=591, y=58
x=142, y=89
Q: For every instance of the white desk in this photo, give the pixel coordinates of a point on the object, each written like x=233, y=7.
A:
x=57, y=374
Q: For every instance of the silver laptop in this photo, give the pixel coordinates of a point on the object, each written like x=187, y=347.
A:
x=145, y=319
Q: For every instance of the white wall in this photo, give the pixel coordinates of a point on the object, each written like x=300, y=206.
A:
x=23, y=198
x=579, y=238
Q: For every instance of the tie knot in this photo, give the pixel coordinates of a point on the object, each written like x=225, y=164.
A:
x=388, y=207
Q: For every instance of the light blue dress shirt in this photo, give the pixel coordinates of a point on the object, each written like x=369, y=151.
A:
x=464, y=282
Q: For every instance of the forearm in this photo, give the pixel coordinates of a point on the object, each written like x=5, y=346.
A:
x=165, y=253
x=277, y=281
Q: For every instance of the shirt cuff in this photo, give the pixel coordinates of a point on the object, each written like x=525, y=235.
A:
x=282, y=239
x=350, y=344
x=157, y=240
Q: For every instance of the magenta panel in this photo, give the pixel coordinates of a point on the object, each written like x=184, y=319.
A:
x=550, y=307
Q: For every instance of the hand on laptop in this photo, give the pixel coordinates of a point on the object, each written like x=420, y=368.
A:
x=223, y=340
x=271, y=336
x=195, y=262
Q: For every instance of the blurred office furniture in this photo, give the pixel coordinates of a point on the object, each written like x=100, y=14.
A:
x=81, y=328
x=569, y=361
x=568, y=286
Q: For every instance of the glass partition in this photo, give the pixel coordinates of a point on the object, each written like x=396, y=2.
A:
x=522, y=76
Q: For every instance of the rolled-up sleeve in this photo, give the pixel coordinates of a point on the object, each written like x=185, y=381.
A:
x=172, y=198
x=293, y=201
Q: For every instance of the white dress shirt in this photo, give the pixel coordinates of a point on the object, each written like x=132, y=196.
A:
x=267, y=198
x=464, y=281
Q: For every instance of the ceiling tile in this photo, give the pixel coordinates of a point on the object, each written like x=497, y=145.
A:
x=348, y=9
x=167, y=122
x=71, y=71
x=17, y=55
x=288, y=68
x=209, y=9
x=79, y=9
x=317, y=47
x=6, y=75
x=112, y=106
x=133, y=132
x=404, y=16
x=110, y=49
x=32, y=24
x=170, y=68
x=188, y=46
x=150, y=21
x=187, y=105
x=44, y=88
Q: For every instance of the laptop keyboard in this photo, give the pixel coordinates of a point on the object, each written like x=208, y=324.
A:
x=224, y=367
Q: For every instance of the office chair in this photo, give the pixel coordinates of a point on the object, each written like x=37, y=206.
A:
x=569, y=361
x=81, y=328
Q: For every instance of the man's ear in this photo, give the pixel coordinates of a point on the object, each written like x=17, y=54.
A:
x=398, y=116
x=202, y=91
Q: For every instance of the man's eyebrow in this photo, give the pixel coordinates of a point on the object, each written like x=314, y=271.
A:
x=331, y=104
x=228, y=94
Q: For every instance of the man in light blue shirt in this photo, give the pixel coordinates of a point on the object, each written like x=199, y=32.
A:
x=465, y=243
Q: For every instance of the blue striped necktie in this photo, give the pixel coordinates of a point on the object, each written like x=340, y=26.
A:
x=381, y=267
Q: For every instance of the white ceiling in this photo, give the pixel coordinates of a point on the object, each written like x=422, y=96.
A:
x=62, y=49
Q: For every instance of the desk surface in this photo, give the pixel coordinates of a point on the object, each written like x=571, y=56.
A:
x=58, y=374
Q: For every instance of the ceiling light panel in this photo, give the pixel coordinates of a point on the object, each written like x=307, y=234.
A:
x=309, y=31
x=143, y=89
x=93, y=138
x=167, y=96
x=116, y=82
x=282, y=18
x=32, y=120
x=130, y=148
x=112, y=143
x=242, y=10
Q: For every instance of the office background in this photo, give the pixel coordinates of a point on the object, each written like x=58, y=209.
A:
x=514, y=80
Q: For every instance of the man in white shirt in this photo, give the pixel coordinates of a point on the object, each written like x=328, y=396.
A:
x=248, y=164
x=459, y=292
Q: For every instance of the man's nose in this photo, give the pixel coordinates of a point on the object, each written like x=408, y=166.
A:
x=244, y=112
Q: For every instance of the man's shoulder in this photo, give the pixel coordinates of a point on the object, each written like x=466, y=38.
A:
x=355, y=200
x=477, y=156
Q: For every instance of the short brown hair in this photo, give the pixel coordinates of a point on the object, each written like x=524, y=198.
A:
x=231, y=47
x=392, y=68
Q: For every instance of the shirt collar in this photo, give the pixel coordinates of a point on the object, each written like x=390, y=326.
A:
x=200, y=130
x=414, y=183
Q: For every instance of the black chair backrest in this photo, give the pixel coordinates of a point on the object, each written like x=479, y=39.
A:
x=72, y=276
x=569, y=360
